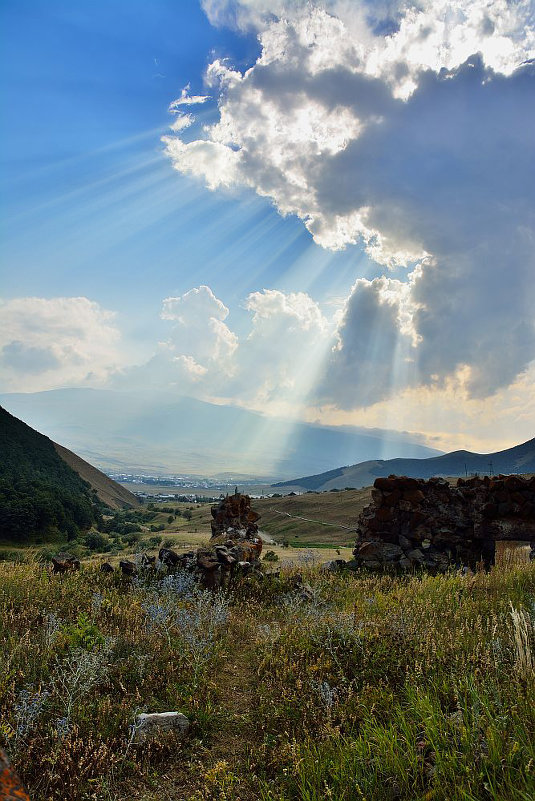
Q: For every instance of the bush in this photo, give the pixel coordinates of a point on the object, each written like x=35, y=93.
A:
x=132, y=538
x=96, y=541
x=271, y=556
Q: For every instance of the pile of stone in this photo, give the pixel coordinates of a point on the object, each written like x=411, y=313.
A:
x=432, y=524
x=233, y=517
x=214, y=567
x=235, y=548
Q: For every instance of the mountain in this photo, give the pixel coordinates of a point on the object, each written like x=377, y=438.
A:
x=44, y=489
x=520, y=459
x=109, y=492
x=162, y=433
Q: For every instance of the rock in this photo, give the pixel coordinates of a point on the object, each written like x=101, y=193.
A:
x=11, y=788
x=64, y=562
x=416, y=556
x=128, y=568
x=168, y=557
x=153, y=725
x=333, y=566
x=106, y=568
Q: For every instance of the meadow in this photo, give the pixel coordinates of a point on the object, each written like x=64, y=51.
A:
x=360, y=687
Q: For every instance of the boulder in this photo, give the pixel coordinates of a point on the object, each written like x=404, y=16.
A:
x=65, y=562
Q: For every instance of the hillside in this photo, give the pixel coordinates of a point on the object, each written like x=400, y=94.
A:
x=519, y=459
x=46, y=491
x=108, y=491
x=39, y=493
x=165, y=433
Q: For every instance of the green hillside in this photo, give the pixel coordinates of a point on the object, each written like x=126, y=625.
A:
x=40, y=495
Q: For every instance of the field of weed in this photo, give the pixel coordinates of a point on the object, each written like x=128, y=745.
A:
x=361, y=687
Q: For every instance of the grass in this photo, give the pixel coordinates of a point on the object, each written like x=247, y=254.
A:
x=327, y=518
x=377, y=687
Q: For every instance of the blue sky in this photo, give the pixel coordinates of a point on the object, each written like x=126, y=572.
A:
x=339, y=228
x=93, y=207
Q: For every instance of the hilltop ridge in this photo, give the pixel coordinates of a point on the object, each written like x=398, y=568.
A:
x=518, y=459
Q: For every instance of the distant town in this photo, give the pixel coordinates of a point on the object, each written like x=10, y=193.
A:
x=201, y=489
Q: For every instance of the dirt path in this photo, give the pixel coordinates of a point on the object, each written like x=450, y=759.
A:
x=309, y=520
x=222, y=765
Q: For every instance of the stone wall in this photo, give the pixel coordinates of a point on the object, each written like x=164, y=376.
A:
x=432, y=524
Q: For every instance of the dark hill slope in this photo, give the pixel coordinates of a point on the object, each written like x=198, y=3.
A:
x=108, y=491
x=519, y=459
x=40, y=493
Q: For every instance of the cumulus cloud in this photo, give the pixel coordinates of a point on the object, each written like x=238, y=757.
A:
x=405, y=129
x=50, y=342
x=271, y=366
x=280, y=357
x=199, y=331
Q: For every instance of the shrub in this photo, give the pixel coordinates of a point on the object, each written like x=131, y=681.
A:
x=96, y=541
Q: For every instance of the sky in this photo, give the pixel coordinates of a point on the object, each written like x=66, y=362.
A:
x=319, y=210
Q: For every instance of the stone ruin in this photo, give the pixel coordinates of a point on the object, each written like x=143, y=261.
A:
x=433, y=525
x=234, y=517
x=234, y=549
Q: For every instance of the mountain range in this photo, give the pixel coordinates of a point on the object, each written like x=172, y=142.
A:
x=165, y=434
x=519, y=459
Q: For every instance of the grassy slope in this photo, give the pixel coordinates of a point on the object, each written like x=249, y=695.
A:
x=326, y=509
x=110, y=492
x=380, y=688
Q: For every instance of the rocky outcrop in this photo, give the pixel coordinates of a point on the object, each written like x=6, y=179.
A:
x=432, y=524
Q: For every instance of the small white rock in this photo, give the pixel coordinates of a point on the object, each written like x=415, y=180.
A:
x=151, y=724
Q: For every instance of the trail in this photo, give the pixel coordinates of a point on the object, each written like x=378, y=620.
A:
x=309, y=520
x=223, y=761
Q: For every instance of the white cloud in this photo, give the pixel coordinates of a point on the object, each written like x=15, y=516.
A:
x=50, y=342
x=186, y=99
x=406, y=128
x=200, y=332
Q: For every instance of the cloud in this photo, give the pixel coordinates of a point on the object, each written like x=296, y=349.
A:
x=405, y=129
x=269, y=367
x=375, y=342
x=50, y=342
x=282, y=352
x=199, y=330
x=186, y=99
